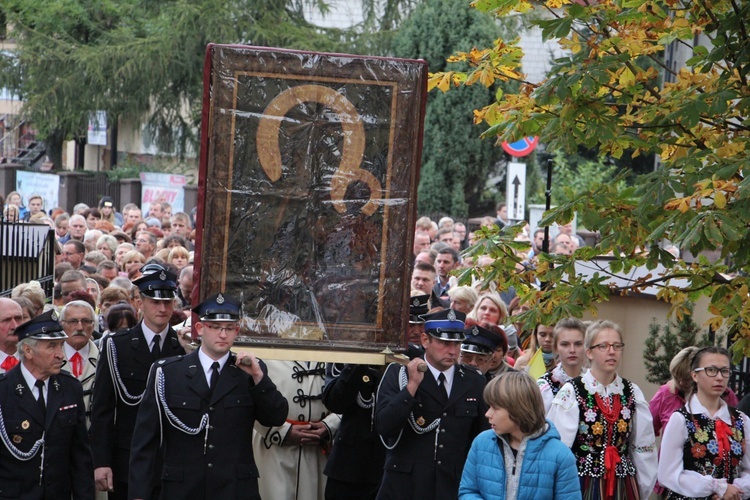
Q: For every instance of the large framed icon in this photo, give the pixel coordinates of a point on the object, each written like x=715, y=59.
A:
x=309, y=167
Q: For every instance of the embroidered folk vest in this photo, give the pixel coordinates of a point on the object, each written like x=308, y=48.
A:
x=595, y=432
x=700, y=452
x=554, y=385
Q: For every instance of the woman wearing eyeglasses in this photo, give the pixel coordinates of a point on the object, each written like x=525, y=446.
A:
x=704, y=446
x=605, y=420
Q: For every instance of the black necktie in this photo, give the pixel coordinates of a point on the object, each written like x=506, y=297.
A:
x=214, y=375
x=156, y=348
x=40, y=400
x=441, y=384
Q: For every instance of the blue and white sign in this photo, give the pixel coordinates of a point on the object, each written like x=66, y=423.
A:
x=46, y=185
x=515, y=191
x=97, y=134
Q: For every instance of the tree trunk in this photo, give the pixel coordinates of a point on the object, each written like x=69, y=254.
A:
x=54, y=143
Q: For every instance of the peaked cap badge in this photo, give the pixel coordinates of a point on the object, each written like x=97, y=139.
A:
x=220, y=299
x=451, y=315
x=163, y=276
x=54, y=316
x=415, y=302
x=475, y=330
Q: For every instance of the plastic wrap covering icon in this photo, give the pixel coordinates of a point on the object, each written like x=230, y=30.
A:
x=307, y=194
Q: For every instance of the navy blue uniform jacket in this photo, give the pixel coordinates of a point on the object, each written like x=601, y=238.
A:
x=218, y=466
x=68, y=470
x=429, y=465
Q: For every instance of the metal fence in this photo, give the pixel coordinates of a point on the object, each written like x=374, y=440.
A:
x=95, y=185
x=27, y=252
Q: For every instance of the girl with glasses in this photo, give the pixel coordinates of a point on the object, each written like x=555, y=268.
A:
x=704, y=447
x=605, y=420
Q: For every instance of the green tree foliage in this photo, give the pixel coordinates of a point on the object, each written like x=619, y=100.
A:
x=455, y=161
x=136, y=59
x=612, y=93
x=665, y=341
x=574, y=174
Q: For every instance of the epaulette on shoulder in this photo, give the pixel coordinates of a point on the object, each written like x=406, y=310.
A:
x=169, y=361
x=471, y=369
x=64, y=373
x=121, y=333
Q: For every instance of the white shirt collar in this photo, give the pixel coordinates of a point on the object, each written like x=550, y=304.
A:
x=31, y=381
x=592, y=385
x=149, y=334
x=696, y=407
x=560, y=375
x=448, y=374
x=4, y=355
x=84, y=352
x=206, y=363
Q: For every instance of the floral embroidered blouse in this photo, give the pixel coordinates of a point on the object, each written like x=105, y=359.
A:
x=550, y=384
x=641, y=447
x=691, y=483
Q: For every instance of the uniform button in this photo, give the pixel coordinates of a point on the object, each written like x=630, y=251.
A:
x=211, y=447
x=439, y=462
x=440, y=446
x=394, y=466
x=210, y=427
x=210, y=465
x=442, y=430
x=210, y=408
x=445, y=414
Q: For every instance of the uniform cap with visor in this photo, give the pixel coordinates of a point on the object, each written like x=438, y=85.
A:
x=43, y=327
x=157, y=282
x=480, y=340
x=219, y=307
x=445, y=325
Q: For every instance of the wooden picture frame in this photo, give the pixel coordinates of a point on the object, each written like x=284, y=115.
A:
x=309, y=168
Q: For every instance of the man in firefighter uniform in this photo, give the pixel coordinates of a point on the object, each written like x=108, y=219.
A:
x=429, y=417
x=45, y=452
x=199, y=410
x=121, y=374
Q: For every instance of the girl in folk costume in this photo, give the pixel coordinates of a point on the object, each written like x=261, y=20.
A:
x=567, y=344
x=704, y=446
x=671, y=396
x=605, y=420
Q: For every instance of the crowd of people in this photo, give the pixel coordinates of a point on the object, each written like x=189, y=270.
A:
x=102, y=391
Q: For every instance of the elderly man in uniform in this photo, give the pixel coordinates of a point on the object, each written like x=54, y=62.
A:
x=11, y=315
x=428, y=417
x=46, y=452
x=477, y=348
x=198, y=411
x=121, y=374
x=81, y=354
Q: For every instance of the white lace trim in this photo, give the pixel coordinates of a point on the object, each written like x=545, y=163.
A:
x=593, y=386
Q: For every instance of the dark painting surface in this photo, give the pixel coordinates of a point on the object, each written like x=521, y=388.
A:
x=308, y=193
